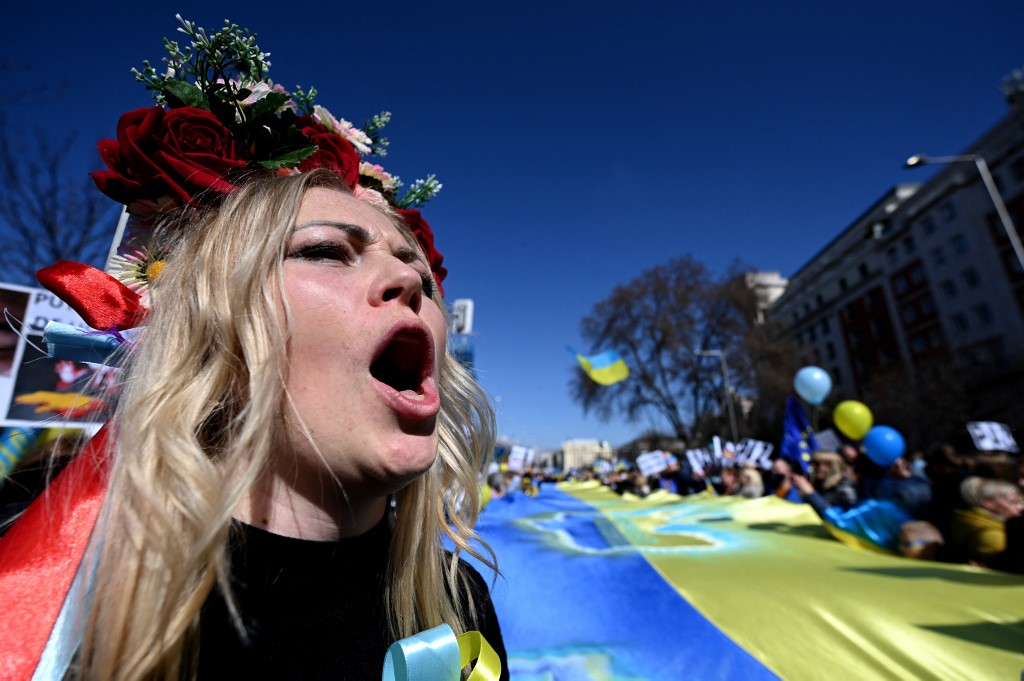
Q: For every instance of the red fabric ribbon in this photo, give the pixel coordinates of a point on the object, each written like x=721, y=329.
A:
x=40, y=554
x=100, y=299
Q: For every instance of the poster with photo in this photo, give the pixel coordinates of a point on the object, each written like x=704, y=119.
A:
x=35, y=389
x=14, y=303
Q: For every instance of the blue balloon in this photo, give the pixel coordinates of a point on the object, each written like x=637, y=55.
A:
x=813, y=384
x=884, y=445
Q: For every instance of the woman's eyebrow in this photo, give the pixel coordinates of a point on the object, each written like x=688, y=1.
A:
x=357, y=232
x=407, y=254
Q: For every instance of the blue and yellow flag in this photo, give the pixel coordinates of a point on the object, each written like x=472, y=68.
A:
x=798, y=442
x=605, y=368
x=599, y=586
x=14, y=444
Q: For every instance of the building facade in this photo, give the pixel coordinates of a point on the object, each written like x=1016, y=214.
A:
x=583, y=453
x=925, y=277
x=836, y=307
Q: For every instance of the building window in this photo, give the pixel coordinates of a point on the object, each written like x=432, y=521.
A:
x=812, y=335
x=959, y=243
x=824, y=325
x=934, y=337
x=894, y=255
x=929, y=225
x=842, y=284
x=899, y=284
x=908, y=245
x=984, y=314
x=960, y=322
x=820, y=300
x=948, y=210
x=918, y=344
x=948, y=287
x=939, y=256
x=916, y=275
x=972, y=278
x=830, y=350
x=836, y=376
x=909, y=313
x=796, y=317
x=927, y=306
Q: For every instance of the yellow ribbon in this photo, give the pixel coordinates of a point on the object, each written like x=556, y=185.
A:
x=473, y=646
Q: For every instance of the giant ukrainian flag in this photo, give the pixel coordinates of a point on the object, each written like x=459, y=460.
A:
x=597, y=586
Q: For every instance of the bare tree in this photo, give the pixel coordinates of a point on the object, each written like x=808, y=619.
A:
x=48, y=210
x=656, y=323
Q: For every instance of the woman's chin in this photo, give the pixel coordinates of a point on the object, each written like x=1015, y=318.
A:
x=407, y=461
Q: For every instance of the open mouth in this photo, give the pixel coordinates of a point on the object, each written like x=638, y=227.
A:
x=404, y=362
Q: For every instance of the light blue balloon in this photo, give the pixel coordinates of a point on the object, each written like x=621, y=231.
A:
x=884, y=445
x=813, y=384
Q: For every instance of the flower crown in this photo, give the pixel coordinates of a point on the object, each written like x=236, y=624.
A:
x=219, y=119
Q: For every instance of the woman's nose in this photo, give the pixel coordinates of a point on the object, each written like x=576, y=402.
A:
x=399, y=281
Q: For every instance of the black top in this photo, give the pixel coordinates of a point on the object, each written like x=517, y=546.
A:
x=312, y=609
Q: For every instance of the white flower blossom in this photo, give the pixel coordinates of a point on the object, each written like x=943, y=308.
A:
x=356, y=137
x=378, y=173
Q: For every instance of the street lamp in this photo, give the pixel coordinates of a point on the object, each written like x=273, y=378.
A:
x=728, y=388
x=990, y=185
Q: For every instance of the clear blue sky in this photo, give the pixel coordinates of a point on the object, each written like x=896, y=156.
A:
x=582, y=142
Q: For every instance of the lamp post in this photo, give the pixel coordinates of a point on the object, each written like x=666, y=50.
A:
x=728, y=388
x=990, y=185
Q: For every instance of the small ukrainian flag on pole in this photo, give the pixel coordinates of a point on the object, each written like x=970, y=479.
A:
x=14, y=444
x=605, y=368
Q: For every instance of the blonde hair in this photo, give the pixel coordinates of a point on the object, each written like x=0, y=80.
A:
x=835, y=468
x=207, y=377
x=975, y=490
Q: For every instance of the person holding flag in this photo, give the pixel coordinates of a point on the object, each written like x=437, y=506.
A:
x=798, y=441
x=798, y=445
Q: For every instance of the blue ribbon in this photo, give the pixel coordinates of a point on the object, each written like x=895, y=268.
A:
x=64, y=341
x=431, y=655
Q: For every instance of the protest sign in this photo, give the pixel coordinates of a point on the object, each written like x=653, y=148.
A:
x=37, y=390
x=989, y=436
x=652, y=463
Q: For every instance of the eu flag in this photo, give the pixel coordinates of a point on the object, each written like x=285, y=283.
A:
x=798, y=441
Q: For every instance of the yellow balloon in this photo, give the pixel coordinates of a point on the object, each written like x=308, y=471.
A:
x=485, y=495
x=853, y=419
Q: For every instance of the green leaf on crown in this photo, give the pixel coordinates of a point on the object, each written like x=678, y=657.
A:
x=269, y=104
x=178, y=93
x=289, y=159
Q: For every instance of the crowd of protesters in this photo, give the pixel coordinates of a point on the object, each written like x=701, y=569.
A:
x=961, y=505
x=957, y=505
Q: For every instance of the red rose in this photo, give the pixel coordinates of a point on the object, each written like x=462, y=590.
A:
x=334, y=151
x=425, y=236
x=159, y=154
